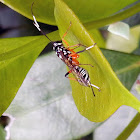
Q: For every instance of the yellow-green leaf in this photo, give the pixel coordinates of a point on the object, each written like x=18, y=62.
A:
x=16, y=58
x=85, y=10
x=113, y=94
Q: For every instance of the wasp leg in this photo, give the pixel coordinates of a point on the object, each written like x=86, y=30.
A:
x=76, y=46
x=91, y=85
x=66, y=34
x=92, y=91
x=86, y=48
x=74, y=53
x=87, y=64
x=95, y=86
x=65, y=42
x=70, y=78
x=75, y=62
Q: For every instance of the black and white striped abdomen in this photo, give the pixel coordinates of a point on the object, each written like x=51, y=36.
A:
x=82, y=76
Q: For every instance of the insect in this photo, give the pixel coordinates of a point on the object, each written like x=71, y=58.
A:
x=82, y=76
x=69, y=57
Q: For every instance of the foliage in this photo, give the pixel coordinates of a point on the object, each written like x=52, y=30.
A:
x=18, y=54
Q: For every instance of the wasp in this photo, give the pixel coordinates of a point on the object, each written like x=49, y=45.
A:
x=69, y=57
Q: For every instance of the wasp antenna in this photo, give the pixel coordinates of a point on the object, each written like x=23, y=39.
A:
x=32, y=8
x=70, y=23
x=95, y=86
x=92, y=91
x=36, y=23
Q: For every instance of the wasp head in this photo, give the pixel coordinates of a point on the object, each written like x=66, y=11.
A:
x=56, y=45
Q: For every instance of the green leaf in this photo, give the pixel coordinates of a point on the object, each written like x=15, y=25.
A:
x=16, y=58
x=86, y=10
x=126, y=66
x=51, y=99
x=130, y=128
x=2, y=133
x=114, y=18
x=96, y=34
x=113, y=94
x=38, y=96
x=45, y=98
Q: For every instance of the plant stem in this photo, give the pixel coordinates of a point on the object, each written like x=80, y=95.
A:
x=130, y=128
x=120, y=16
